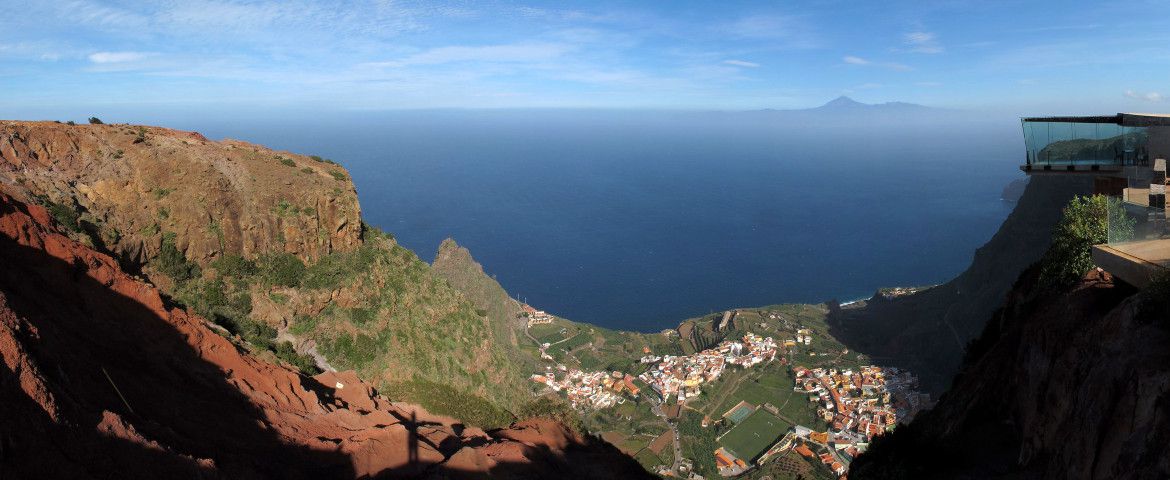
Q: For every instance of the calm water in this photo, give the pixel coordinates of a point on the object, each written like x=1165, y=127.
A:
x=639, y=220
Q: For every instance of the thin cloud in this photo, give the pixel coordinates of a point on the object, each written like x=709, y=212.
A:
x=509, y=53
x=783, y=31
x=117, y=57
x=741, y=63
x=855, y=60
x=922, y=42
x=1152, y=97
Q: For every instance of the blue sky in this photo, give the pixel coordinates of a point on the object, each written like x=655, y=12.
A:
x=1022, y=57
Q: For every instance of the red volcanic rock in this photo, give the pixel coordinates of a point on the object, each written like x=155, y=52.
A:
x=101, y=377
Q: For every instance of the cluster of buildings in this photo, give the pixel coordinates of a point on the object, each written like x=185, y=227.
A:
x=895, y=292
x=595, y=390
x=867, y=402
x=681, y=376
x=803, y=337
x=859, y=405
x=536, y=317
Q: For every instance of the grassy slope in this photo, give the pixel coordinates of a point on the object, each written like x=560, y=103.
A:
x=378, y=310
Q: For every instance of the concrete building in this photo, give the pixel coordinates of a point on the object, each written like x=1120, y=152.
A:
x=1125, y=153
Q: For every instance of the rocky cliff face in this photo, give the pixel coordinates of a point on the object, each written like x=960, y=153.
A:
x=1073, y=383
x=100, y=378
x=927, y=332
x=167, y=201
x=132, y=183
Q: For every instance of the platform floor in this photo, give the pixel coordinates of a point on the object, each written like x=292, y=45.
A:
x=1134, y=262
x=1153, y=251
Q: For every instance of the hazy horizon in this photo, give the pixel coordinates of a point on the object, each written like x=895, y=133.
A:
x=229, y=57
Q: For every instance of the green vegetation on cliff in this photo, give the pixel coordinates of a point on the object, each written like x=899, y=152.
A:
x=377, y=309
x=1087, y=221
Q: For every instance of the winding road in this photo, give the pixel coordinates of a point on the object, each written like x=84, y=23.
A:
x=656, y=407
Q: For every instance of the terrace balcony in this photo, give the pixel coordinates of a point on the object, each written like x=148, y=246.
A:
x=1138, y=245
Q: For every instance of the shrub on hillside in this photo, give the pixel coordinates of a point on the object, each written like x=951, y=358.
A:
x=1087, y=221
x=233, y=265
x=554, y=408
x=332, y=270
x=304, y=363
x=172, y=263
x=65, y=216
x=95, y=121
x=283, y=269
x=446, y=400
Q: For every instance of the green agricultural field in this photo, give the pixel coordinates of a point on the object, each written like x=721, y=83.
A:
x=551, y=332
x=754, y=435
x=560, y=349
x=648, y=459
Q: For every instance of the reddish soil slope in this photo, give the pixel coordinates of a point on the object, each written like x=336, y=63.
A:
x=101, y=378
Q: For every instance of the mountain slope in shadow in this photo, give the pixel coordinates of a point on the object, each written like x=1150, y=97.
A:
x=100, y=378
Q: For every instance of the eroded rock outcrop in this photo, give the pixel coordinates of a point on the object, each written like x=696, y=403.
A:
x=133, y=183
x=99, y=377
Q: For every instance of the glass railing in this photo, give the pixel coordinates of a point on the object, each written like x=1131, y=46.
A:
x=1133, y=222
x=1084, y=143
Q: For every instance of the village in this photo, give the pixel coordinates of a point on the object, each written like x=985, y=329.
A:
x=679, y=376
x=856, y=402
x=856, y=405
x=682, y=376
x=595, y=390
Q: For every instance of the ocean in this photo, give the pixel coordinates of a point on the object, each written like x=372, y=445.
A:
x=638, y=220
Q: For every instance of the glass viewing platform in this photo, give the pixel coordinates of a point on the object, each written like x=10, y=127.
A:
x=1098, y=143
x=1072, y=141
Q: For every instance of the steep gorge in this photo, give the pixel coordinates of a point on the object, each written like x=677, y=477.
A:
x=928, y=331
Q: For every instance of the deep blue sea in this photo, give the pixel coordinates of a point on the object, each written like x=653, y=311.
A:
x=637, y=220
